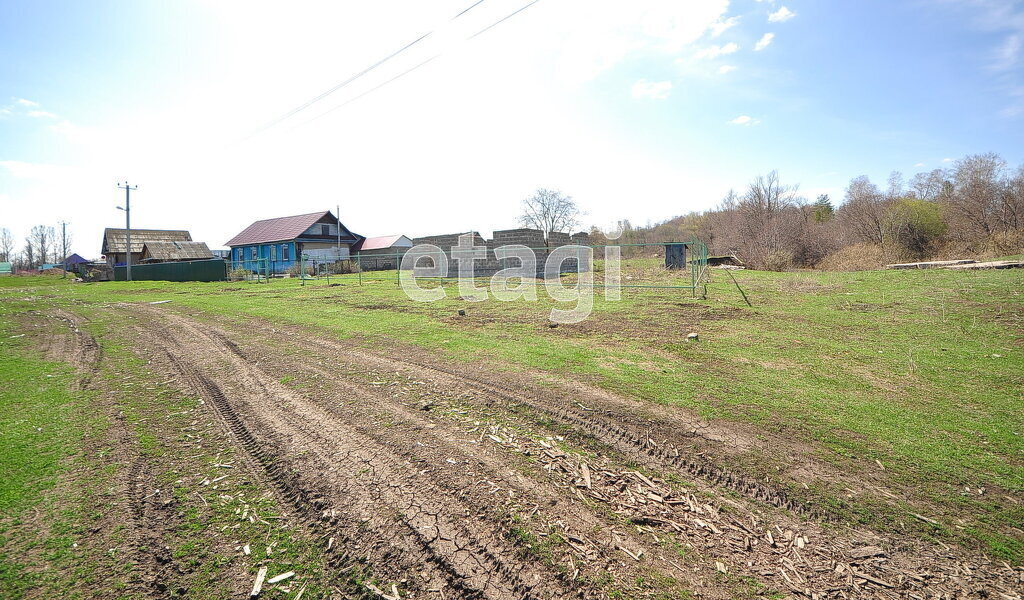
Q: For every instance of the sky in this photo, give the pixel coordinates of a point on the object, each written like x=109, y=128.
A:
x=640, y=110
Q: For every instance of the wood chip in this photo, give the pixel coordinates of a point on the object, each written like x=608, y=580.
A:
x=257, y=587
x=925, y=519
x=865, y=552
x=281, y=577
x=873, y=580
x=586, y=474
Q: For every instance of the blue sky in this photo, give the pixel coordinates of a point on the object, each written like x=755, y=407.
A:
x=640, y=110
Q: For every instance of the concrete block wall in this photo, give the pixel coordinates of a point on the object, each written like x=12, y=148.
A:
x=531, y=238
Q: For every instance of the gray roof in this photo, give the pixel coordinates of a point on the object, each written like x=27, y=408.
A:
x=175, y=250
x=114, y=240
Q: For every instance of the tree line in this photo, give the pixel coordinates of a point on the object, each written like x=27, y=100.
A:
x=44, y=244
x=974, y=208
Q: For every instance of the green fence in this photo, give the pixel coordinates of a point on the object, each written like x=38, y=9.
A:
x=192, y=270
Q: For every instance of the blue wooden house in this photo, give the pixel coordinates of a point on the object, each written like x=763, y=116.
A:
x=276, y=244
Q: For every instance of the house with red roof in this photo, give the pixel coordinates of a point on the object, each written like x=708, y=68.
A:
x=275, y=245
x=381, y=253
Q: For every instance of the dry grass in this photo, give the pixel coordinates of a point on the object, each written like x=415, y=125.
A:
x=858, y=257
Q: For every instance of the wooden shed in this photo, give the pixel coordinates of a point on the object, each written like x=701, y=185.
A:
x=175, y=251
x=115, y=242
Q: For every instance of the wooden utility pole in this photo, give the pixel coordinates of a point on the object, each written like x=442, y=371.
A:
x=128, y=226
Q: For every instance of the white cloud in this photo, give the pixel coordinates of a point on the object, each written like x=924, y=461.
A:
x=744, y=120
x=655, y=90
x=41, y=114
x=763, y=43
x=721, y=26
x=919, y=164
x=716, y=51
x=1008, y=54
x=726, y=69
x=947, y=160
x=24, y=102
x=604, y=34
x=781, y=15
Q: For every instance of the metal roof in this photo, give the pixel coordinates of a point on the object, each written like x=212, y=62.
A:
x=381, y=242
x=176, y=251
x=282, y=229
x=114, y=239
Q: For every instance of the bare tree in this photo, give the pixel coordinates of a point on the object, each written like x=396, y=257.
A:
x=29, y=254
x=1011, y=210
x=550, y=210
x=6, y=245
x=762, y=226
x=977, y=192
x=863, y=212
x=895, y=185
x=42, y=237
x=930, y=185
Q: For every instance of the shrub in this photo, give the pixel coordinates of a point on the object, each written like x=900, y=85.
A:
x=778, y=260
x=239, y=274
x=913, y=228
x=858, y=257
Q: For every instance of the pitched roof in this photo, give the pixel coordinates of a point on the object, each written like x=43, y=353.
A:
x=378, y=243
x=281, y=229
x=176, y=251
x=114, y=239
x=74, y=259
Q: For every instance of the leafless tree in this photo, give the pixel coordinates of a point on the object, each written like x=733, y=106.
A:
x=550, y=210
x=761, y=220
x=42, y=237
x=895, y=185
x=930, y=185
x=29, y=254
x=6, y=245
x=863, y=210
x=973, y=204
x=1011, y=210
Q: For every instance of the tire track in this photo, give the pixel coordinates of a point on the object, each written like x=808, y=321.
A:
x=470, y=561
x=602, y=425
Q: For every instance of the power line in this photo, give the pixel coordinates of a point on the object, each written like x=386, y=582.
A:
x=330, y=91
x=417, y=66
x=373, y=89
x=503, y=19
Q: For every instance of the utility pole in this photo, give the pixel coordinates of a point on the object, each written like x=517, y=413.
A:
x=64, y=248
x=338, y=216
x=128, y=226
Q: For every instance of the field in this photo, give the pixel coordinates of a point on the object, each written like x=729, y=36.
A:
x=848, y=435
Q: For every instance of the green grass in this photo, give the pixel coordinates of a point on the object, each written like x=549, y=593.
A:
x=41, y=432
x=920, y=370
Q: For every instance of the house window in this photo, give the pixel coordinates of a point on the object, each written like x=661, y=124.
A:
x=273, y=252
x=252, y=253
x=284, y=252
x=325, y=230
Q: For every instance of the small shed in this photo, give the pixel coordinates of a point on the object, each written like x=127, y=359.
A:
x=175, y=251
x=115, y=242
x=381, y=253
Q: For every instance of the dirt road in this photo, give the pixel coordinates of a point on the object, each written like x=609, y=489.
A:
x=455, y=481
